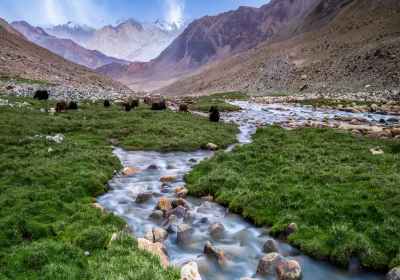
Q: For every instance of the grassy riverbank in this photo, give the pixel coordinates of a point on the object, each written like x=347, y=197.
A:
x=218, y=99
x=345, y=201
x=41, y=189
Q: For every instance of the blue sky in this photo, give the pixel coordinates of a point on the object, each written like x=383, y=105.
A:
x=94, y=12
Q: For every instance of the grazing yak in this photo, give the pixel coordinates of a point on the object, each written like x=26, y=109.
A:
x=158, y=106
x=148, y=101
x=41, y=94
x=134, y=104
x=106, y=103
x=73, y=106
x=214, y=116
x=183, y=108
x=211, y=109
x=127, y=107
x=61, y=106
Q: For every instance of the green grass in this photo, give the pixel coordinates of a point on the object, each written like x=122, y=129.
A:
x=280, y=94
x=344, y=199
x=206, y=105
x=218, y=99
x=41, y=189
x=19, y=80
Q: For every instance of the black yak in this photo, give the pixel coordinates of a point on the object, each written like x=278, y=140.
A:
x=106, y=103
x=183, y=108
x=61, y=106
x=211, y=109
x=73, y=105
x=158, y=106
x=134, y=104
x=214, y=116
x=127, y=107
x=41, y=94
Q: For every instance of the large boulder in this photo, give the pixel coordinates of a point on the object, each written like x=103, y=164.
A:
x=144, y=244
x=394, y=274
x=271, y=246
x=190, y=271
x=289, y=270
x=164, y=204
x=184, y=233
x=216, y=230
x=269, y=263
x=156, y=235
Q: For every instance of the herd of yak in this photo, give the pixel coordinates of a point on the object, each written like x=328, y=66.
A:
x=64, y=106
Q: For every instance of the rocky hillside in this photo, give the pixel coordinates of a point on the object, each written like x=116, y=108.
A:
x=135, y=41
x=350, y=45
x=79, y=33
x=21, y=58
x=9, y=29
x=64, y=47
x=214, y=38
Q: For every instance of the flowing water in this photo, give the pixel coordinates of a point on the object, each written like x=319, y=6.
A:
x=243, y=242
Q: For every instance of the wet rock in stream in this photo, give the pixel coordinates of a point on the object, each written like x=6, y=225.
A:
x=269, y=263
x=184, y=233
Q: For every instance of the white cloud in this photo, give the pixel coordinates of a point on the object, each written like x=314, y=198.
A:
x=173, y=11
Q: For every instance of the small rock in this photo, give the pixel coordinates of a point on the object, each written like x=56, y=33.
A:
x=188, y=217
x=143, y=197
x=216, y=230
x=172, y=166
x=96, y=205
x=182, y=193
x=208, y=249
x=394, y=274
x=172, y=219
x=156, y=235
x=180, y=201
x=179, y=212
x=290, y=229
x=49, y=150
x=269, y=263
x=208, y=198
x=376, y=152
x=152, y=167
x=169, y=178
x=130, y=170
x=271, y=246
x=289, y=270
x=184, y=233
x=190, y=271
x=164, y=204
x=113, y=237
x=211, y=147
x=157, y=214
x=192, y=160
x=128, y=229
x=178, y=189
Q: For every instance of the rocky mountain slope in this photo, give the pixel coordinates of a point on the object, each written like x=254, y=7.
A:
x=135, y=41
x=350, y=45
x=64, y=47
x=21, y=58
x=214, y=38
x=11, y=30
x=79, y=33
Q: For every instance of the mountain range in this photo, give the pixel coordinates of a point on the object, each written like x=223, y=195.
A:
x=22, y=58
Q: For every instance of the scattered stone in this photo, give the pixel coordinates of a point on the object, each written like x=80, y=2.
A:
x=144, y=244
x=143, y=197
x=184, y=233
x=113, y=237
x=178, y=189
x=192, y=160
x=269, y=263
x=96, y=205
x=190, y=271
x=49, y=150
x=220, y=254
x=128, y=229
x=156, y=235
x=377, y=152
x=290, y=229
x=164, y=204
x=58, y=138
x=289, y=270
x=211, y=147
x=179, y=212
x=152, y=167
x=208, y=198
x=216, y=230
x=271, y=246
x=157, y=214
x=180, y=201
x=182, y=193
x=394, y=274
x=169, y=178
x=172, y=166
x=130, y=170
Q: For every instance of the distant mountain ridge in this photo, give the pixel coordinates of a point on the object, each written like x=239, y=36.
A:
x=79, y=33
x=65, y=47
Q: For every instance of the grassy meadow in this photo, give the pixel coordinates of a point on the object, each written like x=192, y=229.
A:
x=205, y=102
x=344, y=199
x=41, y=190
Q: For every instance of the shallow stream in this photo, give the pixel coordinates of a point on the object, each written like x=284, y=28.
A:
x=243, y=242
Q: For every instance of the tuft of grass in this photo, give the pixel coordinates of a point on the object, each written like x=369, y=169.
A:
x=20, y=80
x=41, y=190
x=344, y=199
x=205, y=106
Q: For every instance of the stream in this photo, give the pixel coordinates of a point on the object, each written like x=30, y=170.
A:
x=242, y=242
